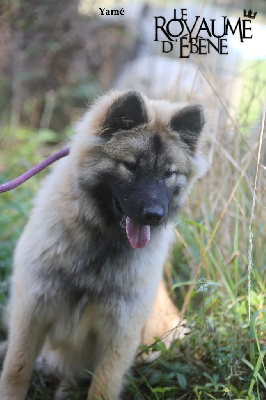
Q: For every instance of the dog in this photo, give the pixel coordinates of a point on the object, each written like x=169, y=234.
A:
x=89, y=263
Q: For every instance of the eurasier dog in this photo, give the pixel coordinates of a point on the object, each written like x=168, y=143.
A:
x=90, y=261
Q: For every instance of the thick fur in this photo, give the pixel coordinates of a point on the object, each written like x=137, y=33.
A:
x=81, y=294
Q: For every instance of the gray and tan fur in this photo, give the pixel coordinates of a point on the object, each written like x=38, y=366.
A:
x=81, y=294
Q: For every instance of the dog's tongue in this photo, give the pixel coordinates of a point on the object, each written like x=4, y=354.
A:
x=138, y=235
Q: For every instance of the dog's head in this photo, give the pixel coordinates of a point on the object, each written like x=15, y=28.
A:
x=144, y=163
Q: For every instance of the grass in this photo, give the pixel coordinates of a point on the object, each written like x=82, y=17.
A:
x=207, y=275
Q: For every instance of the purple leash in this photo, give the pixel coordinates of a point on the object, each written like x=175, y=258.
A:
x=34, y=170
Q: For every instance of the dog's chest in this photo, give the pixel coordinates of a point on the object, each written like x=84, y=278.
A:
x=117, y=288
x=110, y=316
x=101, y=274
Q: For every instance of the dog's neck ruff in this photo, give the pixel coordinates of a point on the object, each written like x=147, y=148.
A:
x=34, y=170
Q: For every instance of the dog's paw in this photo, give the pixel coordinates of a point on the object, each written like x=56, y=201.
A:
x=171, y=328
x=174, y=329
x=62, y=391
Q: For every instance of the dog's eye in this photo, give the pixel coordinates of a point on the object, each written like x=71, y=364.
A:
x=130, y=166
x=126, y=123
x=169, y=173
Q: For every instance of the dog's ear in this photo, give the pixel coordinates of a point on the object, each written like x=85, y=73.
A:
x=127, y=112
x=188, y=122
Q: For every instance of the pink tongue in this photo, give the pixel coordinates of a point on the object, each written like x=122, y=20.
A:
x=138, y=235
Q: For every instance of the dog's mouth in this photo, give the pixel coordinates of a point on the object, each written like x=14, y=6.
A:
x=137, y=234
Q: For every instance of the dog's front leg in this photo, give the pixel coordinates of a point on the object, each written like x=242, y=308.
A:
x=114, y=362
x=26, y=336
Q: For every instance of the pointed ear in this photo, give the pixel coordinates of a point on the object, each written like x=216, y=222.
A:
x=188, y=122
x=127, y=112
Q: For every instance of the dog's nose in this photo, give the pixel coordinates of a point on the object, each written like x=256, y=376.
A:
x=153, y=215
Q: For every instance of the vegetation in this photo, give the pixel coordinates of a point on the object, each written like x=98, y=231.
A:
x=224, y=355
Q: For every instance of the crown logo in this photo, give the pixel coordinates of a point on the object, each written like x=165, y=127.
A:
x=249, y=14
